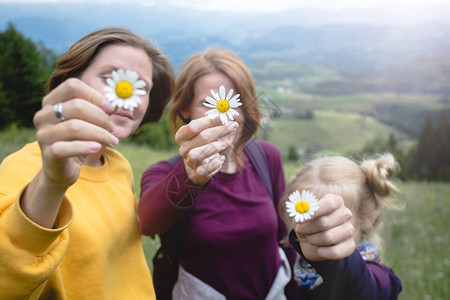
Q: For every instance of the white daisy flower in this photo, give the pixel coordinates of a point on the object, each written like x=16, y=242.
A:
x=222, y=106
x=123, y=89
x=302, y=207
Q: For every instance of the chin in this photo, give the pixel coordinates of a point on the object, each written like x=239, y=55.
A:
x=121, y=133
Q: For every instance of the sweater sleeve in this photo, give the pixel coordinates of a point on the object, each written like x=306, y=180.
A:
x=352, y=278
x=166, y=193
x=29, y=254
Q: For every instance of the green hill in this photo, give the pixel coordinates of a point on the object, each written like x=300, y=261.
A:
x=331, y=131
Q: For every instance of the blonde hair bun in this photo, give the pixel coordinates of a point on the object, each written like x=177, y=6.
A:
x=378, y=171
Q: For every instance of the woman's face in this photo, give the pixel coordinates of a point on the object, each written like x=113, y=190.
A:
x=202, y=89
x=114, y=57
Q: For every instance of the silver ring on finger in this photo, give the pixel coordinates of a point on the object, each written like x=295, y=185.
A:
x=57, y=110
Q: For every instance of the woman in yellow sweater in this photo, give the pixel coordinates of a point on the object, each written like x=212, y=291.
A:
x=68, y=223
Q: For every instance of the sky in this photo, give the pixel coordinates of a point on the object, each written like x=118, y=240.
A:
x=266, y=5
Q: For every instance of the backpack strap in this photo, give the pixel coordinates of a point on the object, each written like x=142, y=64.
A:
x=259, y=161
x=174, y=160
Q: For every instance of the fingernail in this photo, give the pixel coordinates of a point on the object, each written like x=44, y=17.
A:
x=94, y=147
x=114, y=140
x=111, y=126
x=106, y=106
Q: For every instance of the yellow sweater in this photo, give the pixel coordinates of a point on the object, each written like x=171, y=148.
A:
x=95, y=250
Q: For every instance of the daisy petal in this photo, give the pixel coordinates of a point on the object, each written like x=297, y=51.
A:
x=215, y=95
x=211, y=100
x=230, y=93
x=209, y=105
x=223, y=118
x=115, y=76
x=140, y=84
x=235, y=100
x=131, y=76
x=222, y=92
x=232, y=112
x=110, y=82
x=140, y=92
x=212, y=114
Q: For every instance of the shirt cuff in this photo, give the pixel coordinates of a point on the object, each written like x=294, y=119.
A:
x=30, y=236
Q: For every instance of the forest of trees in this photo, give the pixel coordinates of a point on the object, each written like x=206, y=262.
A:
x=25, y=67
x=428, y=159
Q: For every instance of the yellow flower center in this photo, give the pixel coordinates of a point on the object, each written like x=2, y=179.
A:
x=302, y=206
x=124, y=89
x=223, y=105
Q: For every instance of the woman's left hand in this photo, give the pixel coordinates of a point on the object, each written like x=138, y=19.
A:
x=329, y=234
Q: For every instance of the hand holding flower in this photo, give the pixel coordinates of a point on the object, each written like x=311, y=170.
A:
x=201, y=142
x=328, y=234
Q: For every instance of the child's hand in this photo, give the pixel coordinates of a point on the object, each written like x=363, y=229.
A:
x=329, y=234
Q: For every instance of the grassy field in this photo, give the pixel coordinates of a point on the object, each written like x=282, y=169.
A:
x=332, y=131
x=416, y=239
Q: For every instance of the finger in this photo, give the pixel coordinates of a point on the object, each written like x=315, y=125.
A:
x=332, y=236
x=75, y=109
x=64, y=149
x=328, y=204
x=199, y=154
x=325, y=222
x=207, y=136
x=208, y=159
x=337, y=251
x=210, y=168
x=332, y=211
x=75, y=88
x=73, y=130
x=192, y=164
x=194, y=127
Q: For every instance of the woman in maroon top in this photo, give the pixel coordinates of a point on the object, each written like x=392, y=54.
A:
x=232, y=242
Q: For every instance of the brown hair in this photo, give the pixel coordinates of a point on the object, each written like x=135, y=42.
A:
x=80, y=56
x=365, y=187
x=210, y=61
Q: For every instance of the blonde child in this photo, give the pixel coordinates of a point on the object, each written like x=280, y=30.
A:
x=366, y=191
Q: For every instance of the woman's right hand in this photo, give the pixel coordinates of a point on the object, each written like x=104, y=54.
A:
x=86, y=129
x=201, y=142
